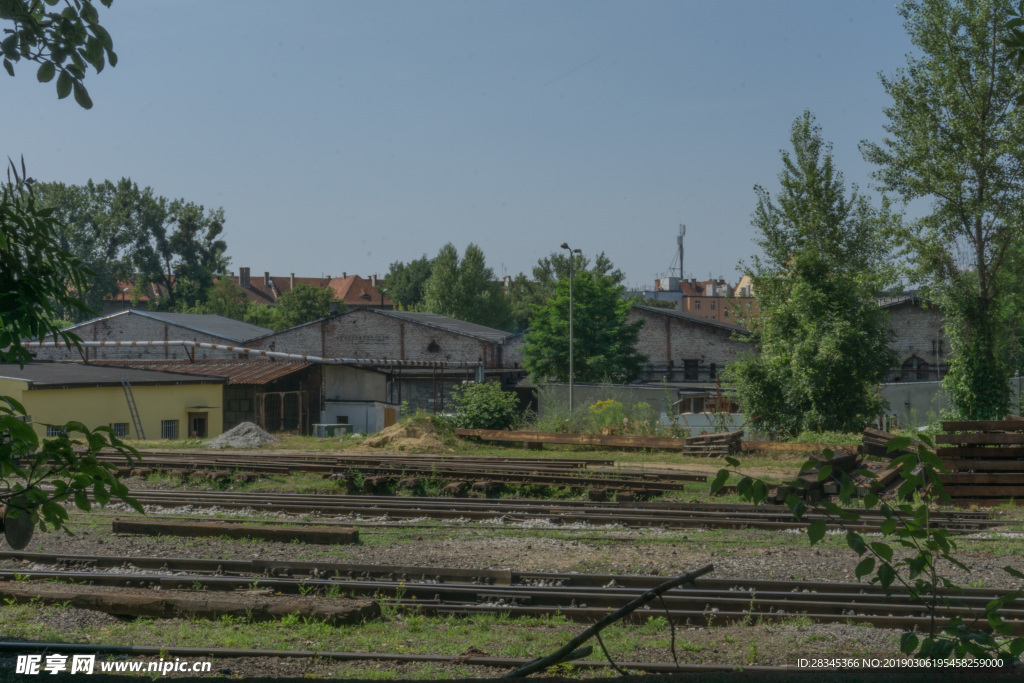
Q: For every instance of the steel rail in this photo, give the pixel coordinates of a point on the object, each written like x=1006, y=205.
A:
x=442, y=529
x=585, y=604
x=440, y=575
x=410, y=507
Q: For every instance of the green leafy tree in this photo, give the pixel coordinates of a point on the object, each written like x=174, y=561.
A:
x=64, y=43
x=526, y=293
x=180, y=251
x=824, y=342
x=464, y=288
x=93, y=225
x=955, y=137
x=226, y=298
x=38, y=279
x=302, y=304
x=404, y=283
x=604, y=340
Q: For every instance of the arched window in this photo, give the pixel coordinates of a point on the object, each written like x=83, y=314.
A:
x=915, y=369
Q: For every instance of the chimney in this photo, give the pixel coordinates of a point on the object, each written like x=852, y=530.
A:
x=507, y=281
x=243, y=278
x=344, y=275
x=373, y=281
x=334, y=308
x=291, y=281
x=266, y=279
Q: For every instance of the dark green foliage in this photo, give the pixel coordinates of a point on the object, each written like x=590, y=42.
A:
x=179, y=250
x=605, y=342
x=305, y=303
x=464, y=288
x=959, y=143
x=39, y=280
x=64, y=43
x=404, y=283
x=45, y=474
x=525, y=293
x=484, y=406
x=925, y=550
x=119, y=230
x=824, y=342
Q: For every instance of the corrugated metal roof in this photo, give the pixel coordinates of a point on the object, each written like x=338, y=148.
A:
x=217, y=325
x=80, y=374
x=673, y=313
x=236, y=371
x=451, y=324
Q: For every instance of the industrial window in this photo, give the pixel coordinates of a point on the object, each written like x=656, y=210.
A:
x=120, y=429
x=725, y=314
x=697, y=304
x=168, y=429
x=54, y=432
x=712, y=305
x=690, y=370
x=342, y=419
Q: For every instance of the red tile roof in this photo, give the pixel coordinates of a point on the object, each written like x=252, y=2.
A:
x=355, y=291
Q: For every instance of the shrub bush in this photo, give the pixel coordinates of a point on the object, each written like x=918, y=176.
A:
x=484, y=406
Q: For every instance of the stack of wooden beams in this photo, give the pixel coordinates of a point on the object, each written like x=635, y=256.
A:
x=985, y=459
x=873, y=442
x=714, y=445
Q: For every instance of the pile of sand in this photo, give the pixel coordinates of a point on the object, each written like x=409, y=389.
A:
x=245, y=435
x=416, y=435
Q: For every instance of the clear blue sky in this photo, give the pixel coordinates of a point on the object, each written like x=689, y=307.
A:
x=342, y=136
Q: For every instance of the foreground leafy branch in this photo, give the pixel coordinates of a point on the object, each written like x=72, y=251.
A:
x=37, y=477
x=908, y=526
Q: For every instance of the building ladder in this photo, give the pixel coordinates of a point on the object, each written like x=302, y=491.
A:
x=132, y=408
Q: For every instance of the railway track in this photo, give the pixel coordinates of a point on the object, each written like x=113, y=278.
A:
x=510, y=511
x=580, y=473
x=580, y=597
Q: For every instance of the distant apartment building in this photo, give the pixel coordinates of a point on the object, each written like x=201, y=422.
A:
x=714, y=299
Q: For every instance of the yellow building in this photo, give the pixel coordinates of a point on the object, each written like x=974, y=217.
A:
x=170, y=405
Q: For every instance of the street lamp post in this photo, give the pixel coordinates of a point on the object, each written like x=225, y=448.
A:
x=571, y=251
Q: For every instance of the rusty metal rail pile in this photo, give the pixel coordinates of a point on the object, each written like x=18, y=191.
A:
x=635, y=514
x=373, y=473
x=985, y=459
x=582, y=597
x=718, y=444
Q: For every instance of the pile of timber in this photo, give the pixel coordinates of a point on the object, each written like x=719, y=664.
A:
x=714, y=445
x=985, y=459
x=873, y=442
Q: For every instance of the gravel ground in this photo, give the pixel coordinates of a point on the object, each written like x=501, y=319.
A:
x=752, y=555
x=746, y=554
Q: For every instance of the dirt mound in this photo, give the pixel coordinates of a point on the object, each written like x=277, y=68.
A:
x=415, y=435
x=245, y=435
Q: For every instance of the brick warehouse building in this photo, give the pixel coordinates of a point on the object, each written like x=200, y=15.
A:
x=375, y=333
x=920, y=342
x=681, y=347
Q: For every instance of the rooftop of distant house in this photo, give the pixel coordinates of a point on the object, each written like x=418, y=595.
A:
x=352, y=290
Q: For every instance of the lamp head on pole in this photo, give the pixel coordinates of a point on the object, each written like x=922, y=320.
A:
x=565, y=245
